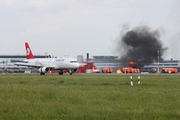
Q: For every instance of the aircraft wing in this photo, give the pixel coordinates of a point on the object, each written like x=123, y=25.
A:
x=28, y=65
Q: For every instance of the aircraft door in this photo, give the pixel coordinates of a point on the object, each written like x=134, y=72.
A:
x=51, y=62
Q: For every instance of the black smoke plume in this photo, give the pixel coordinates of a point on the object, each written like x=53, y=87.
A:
x=140, y=46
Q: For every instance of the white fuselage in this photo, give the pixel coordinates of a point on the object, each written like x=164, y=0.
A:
x=54, y=63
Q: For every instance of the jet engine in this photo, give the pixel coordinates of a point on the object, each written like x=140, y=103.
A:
x=43, y=69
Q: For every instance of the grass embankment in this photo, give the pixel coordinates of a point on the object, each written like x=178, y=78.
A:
x=89, y=97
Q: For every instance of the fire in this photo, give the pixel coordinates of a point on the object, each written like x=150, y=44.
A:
x=131, y=69
x=132, y=64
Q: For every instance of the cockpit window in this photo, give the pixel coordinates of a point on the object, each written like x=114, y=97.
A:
x=73, y=61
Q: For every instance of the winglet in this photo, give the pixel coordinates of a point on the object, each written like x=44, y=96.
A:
x=29, y=53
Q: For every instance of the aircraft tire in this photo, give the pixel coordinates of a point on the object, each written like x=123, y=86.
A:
x=42, y=73
x=60, y=73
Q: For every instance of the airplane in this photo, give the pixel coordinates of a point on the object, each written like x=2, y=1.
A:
x=44, y=65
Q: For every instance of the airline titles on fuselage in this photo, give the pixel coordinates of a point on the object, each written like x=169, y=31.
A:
x=59, y=60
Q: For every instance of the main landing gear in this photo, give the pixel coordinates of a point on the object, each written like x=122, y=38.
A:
x=60, y=72
x=70, y=72
x=42, y=73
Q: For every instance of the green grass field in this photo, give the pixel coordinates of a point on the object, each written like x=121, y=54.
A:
x=89, y=97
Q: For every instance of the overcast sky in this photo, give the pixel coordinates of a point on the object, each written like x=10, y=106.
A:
x=76, y=27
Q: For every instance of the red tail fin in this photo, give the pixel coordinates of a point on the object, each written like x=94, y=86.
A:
x=29, y=53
